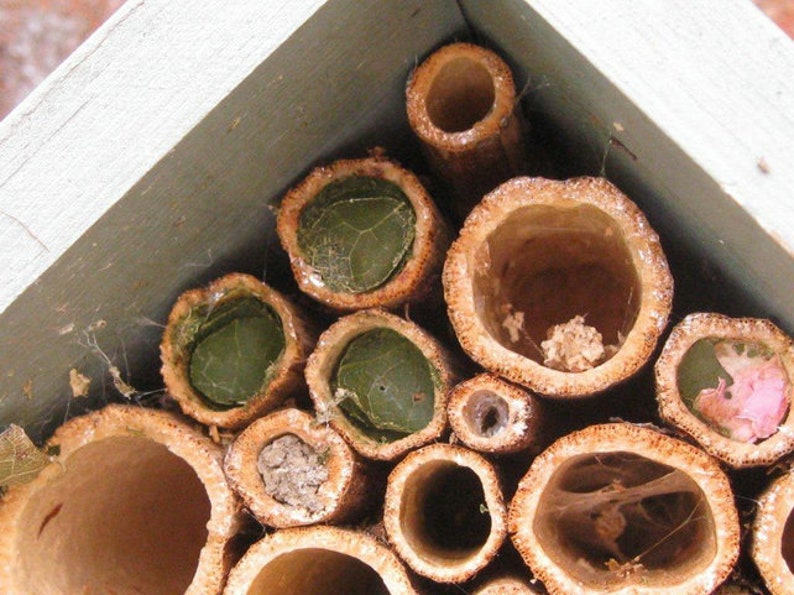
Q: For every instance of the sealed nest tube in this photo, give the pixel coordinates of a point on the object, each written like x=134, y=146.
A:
x=363, y=233
x=560, y=286
x=134, y=502
x=619, y=508
x=381, y=381
x=726, y=382
x=291, y=470
x=234, y=350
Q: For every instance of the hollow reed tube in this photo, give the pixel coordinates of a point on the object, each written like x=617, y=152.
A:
x=135, y=501
x=444, y=512
x=624, y=508
x=461, y=103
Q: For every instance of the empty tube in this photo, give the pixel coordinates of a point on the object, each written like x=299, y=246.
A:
x=134, y=502
x=461, y=103
x=319, y=560
x=772, y=535
x=444, y=512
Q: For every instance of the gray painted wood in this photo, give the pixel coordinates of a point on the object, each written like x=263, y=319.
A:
x=145, y=165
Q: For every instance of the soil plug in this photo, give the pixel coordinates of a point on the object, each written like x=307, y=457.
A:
x=290, y=470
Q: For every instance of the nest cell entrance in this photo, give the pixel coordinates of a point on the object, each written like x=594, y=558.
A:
x=544, y=266
x=486, y=414
x=443, y=514
x=461, y=95
x=126, y=516
x=317, y=571
x=614, y=518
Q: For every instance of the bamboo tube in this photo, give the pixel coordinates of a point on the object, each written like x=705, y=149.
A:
x=772, y=535
x=363, y=233
x=461, y=103
x=507, y=585
x=726, y=382
x=444, y=512
x=135, y=502
x=621, y=508
x=381, y=420
x=560, y=286
x=490, y=415
x=319, y=560
x=291, y=470
x=231, y=388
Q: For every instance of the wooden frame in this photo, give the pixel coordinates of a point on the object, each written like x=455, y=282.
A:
x=144, y=165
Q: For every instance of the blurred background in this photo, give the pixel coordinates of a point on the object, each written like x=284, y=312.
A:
x=36, y=36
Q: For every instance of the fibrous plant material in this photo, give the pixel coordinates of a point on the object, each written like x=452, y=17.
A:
x=772, y=535
x=622, y=508
x=363, y=233
x=291, y=470
x=492, y=415
x=444, y=512
x=320, y=560
x=134, y=502
x=461, y=103
x=381, y=381
x=546, y=272
x=727, y=383
x=234, y=350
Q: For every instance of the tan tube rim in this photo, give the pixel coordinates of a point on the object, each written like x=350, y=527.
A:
x=341, y=495
x=287, y=377
x=712, y=547
x=474, y=267
x=674, y=410
x=322, y=363
x=111, y=463
x=410, y=486
x=772, y=537
x=413, y=282
x=315, y=560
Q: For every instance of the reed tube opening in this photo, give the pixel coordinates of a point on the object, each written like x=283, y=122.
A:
x=317, y=571
x=486, y=413
x=461, y=94
x=549, y=265
x=606, y=516
x=624, y=508
x=126, y=514
x=787, y=542
x=321, y=560
x=559, y=286
x=444, y=512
